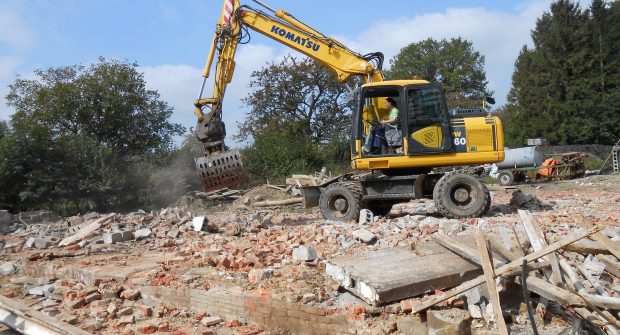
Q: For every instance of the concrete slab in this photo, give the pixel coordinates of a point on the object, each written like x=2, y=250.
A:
x=393, y=274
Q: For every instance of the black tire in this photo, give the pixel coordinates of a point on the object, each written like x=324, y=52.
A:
x=341, y=201
x=461, y=195
x=380, y=208
x=505, y=178
x=488, y=206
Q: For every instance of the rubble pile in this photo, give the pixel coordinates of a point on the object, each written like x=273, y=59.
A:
x=108, y=273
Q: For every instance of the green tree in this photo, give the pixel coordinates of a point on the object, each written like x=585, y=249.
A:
x=566, y=88
x=82, y=137
x=452, y=63
x=296, y=94
x=277, y=155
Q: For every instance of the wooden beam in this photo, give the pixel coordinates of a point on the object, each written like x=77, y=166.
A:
x=613, y=247
x=595, y=300
x=462, y=249
x=29, y=321
x=86, y=230
x=537, y=239
x=268, y=203
x=506, y=269
x=610, y=266
x=489, y=274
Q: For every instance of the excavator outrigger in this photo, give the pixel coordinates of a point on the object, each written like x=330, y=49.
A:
x=398, y=158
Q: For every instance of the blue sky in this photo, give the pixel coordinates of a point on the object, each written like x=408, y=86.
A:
x=170, y=39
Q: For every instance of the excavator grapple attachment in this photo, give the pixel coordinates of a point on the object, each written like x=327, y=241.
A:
x=221, y=170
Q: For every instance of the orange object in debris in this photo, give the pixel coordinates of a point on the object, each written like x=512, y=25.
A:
x=548, y=167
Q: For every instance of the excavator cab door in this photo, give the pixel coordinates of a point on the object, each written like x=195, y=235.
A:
x=427, y=121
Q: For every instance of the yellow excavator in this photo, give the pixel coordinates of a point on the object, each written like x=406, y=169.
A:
x=396, y=161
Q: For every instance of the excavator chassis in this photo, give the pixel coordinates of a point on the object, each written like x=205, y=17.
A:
x=458, y=194
x=220, y=170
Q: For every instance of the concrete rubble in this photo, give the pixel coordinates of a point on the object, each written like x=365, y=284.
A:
x=239, y=269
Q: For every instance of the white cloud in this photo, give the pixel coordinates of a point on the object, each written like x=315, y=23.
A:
x=179, y=85
x=497, y=34
x=14, y=30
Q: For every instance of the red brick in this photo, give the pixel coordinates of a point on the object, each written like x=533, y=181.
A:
x=150, y=329
x=232, y=323
x=163, y=327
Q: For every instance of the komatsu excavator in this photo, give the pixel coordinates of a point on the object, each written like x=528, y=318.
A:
x=395, y=161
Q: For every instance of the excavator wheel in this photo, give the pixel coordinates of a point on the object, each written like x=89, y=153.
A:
x=461, y=195
x=341, y=201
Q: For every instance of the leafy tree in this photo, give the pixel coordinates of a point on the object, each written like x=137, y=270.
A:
x=276, y=155
x=452, y=63
x=83, y=138
x=566, y=87
x=4, y=129
x=299, y=94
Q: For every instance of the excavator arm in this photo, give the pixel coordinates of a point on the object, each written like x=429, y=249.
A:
x=221, y=167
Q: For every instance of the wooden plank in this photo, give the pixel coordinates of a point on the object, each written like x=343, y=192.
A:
x=462, y=250
x=594, y=300
x=268, y=203
x=29, y=321
x=537, y=239
x=587, y=247
x=613, y=247
x=540, y=286
x=610, y=266
x=588, y=276
x=86, y=230
x=489, y=274
x=506, y=269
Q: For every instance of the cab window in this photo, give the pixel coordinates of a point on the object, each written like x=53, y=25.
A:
x=424, y=103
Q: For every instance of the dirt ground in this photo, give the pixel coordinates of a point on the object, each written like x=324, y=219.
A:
x=91, y=284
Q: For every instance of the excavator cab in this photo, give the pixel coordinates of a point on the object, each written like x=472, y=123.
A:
x=422, y=126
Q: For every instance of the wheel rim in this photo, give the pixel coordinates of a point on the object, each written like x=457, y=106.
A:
x=463, y=195
x=338, y=205
x=504, y=179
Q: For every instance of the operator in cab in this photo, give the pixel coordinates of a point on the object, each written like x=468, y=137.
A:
x=390, y=104
x=393, y=136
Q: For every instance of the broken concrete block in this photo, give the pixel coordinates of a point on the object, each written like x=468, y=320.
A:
x=364, y=236
x=111, y=238
x=449, y=227
x=474, y=311
x=366, y=217
x=7, y=268
x=258, y=275
x=452, y=321
x=304, y=253
x=209, y=321
x=174, y=233
x=411, y=326
x=29, y=242
x=75, y=304
x=130, y=294
x=127, y=235
x=43, y=290
x=142, y=233
x=199, y=223
x=126, y=319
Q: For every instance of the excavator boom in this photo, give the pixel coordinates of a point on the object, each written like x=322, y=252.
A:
x=221, y=167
